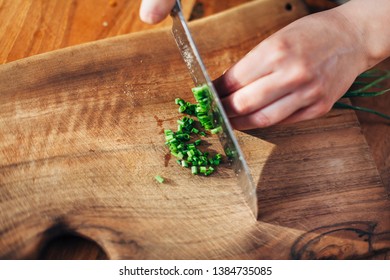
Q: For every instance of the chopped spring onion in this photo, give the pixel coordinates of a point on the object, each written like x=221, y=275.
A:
x=194, y=170
x=159, y=179
x=180, y=145
x=209, y=171
x=216, y=130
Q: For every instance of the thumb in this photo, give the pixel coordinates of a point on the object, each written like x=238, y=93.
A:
x=154, y=11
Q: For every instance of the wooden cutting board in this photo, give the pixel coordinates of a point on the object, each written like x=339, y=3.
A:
x=82, y=139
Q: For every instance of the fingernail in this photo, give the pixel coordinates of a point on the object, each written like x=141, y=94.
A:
x=150, y=18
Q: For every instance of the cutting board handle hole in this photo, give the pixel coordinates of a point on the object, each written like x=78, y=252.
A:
x=71, y=246
x=288, y=7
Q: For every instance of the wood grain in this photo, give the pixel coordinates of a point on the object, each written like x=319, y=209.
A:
x=31, y=27
x=376, y=129
x=204, y=8
x=82, y=141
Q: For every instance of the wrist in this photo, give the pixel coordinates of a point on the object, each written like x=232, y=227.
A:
x=369, y=22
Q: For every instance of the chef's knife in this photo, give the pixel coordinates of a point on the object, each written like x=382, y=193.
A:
x=199, y=75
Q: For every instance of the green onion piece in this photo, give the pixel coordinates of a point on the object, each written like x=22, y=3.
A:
x=216, y=130
x=197, y=142
x=203, y=169
x=194, y=130
x=179, y=101
x=229, y=153
x=191, y=146
x=168, y=132
x=209, y=171
x=182, y=108
x=173, y=141
x=194, y=170
x=159, y=179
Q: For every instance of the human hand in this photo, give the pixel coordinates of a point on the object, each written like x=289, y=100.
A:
x=154, y=11
x=296, y=74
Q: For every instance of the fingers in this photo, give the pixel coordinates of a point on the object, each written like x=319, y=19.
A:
x=258, y=94
x=268, y=116
x=250, y=68
x=154, y=11
x=314, y=111
x=286, y=109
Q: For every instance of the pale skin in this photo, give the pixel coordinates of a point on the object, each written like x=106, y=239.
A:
x=299, y=72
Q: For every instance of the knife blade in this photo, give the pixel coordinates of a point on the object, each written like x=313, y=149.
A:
x=199, y=75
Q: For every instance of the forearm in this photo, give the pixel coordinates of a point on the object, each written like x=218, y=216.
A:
x=371, y=20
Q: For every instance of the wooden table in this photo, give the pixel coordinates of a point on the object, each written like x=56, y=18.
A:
x=32, y=27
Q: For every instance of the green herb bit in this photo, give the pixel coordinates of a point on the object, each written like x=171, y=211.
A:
x=190, y=109
x=179, y=101
x=229, y=153
x=191, y=146
x=194, y=130
x=209, y=171
x=194, y=170
x=182, y=108
x=216, y=130
x=200, y=92
x=185, y=107
x=159, y=179
x=180, y=155
x=183, y=137
x=174, y=153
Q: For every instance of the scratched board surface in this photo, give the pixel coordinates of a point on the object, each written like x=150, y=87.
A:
x=81, y=141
